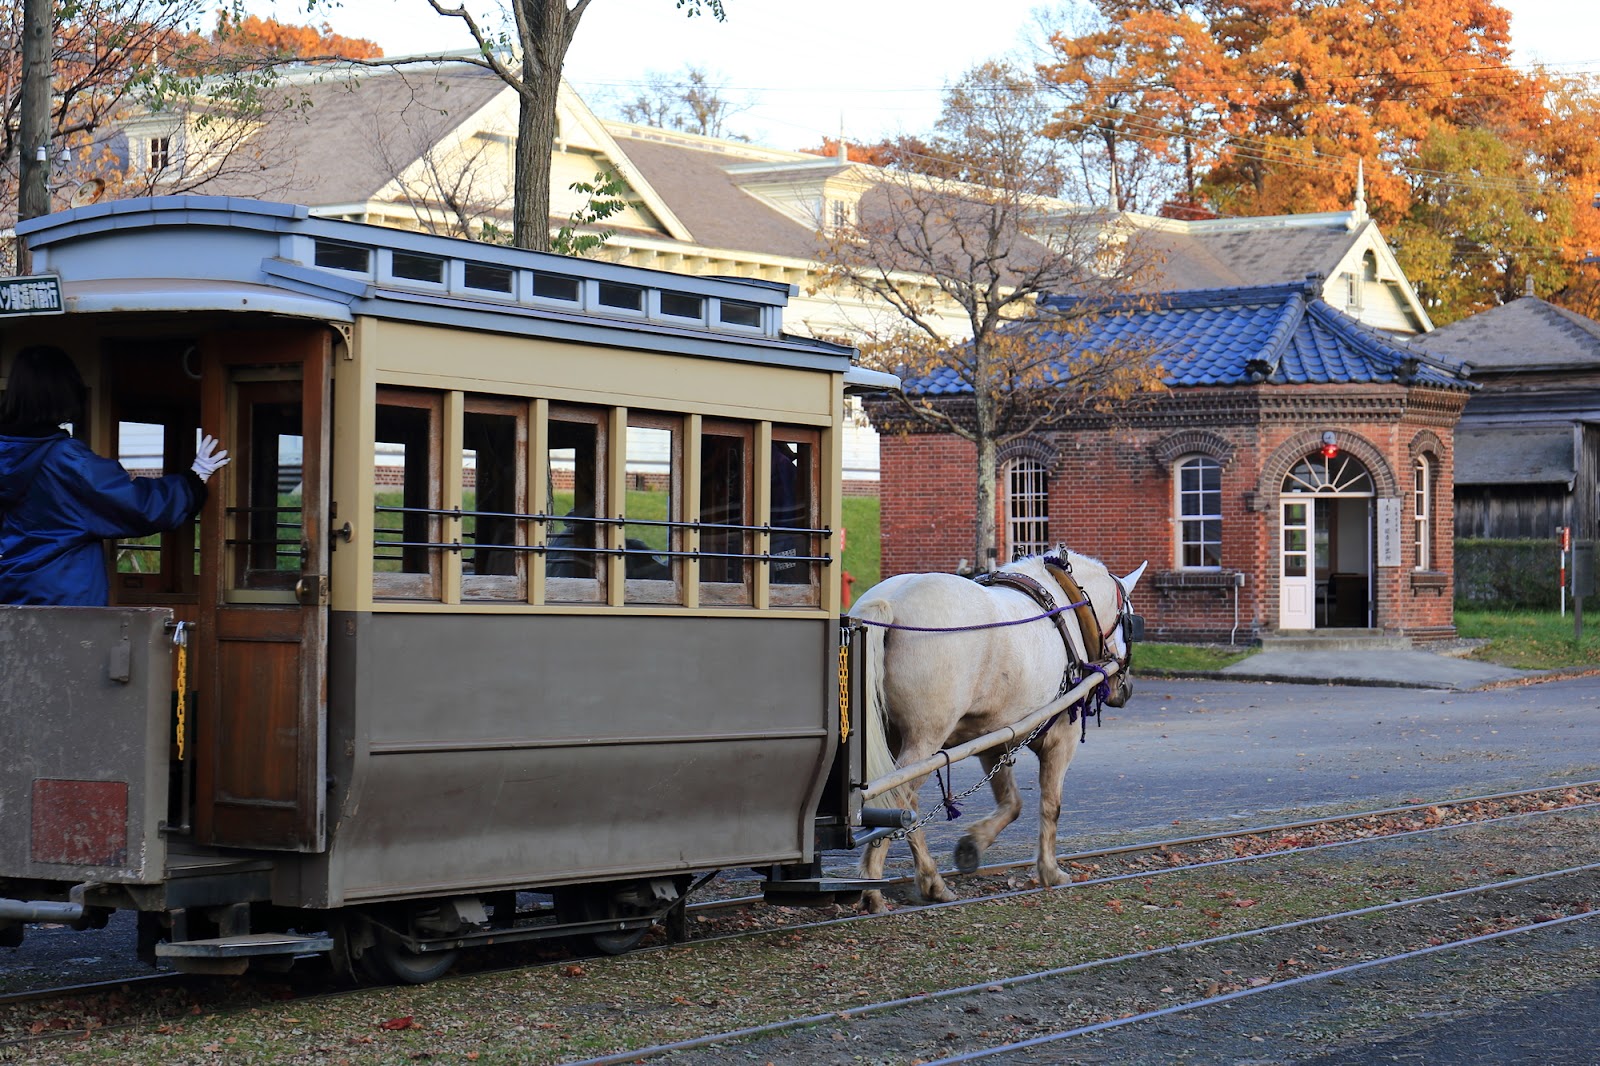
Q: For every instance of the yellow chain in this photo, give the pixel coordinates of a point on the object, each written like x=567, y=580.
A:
x=181, y=639
x=844, y=692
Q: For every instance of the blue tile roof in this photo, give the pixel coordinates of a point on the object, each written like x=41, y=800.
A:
x=1279, y=334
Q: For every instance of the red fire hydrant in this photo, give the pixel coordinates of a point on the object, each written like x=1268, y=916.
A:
x=845, y=580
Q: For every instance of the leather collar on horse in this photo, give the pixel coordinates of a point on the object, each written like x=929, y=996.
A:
x=1041, y=595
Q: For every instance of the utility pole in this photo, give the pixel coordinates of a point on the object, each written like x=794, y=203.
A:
x=33, y=197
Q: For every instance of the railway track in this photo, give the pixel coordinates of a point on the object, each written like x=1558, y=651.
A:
x=1028, y=999
x=1140, y=861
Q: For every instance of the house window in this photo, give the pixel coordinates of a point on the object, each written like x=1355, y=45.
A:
x=160, y=153
x=841, y=214
x=1199, y=504
x=1027, y=503
x=1422, y=513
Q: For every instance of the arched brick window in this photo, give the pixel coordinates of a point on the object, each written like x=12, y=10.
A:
x=1027, y=507
x=1197, y=507
x=1422, y=511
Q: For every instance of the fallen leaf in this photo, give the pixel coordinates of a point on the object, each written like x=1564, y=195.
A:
x=407, y=1022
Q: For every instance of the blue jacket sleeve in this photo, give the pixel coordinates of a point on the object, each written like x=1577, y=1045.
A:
x=109, y=503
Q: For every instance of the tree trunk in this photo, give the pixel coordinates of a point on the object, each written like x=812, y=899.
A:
x=987, y=539
x=34, y=193
x=546, y=28
x=530, y=191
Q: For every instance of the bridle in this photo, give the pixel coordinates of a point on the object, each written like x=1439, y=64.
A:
x=1097, y=640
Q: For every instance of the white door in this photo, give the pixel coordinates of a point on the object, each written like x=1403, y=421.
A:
x=1297, y=580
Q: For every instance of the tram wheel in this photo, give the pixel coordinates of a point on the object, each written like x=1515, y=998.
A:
x=368, y=953
x=593, y=903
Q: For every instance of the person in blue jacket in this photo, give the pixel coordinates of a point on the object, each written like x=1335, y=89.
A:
x=59, y=500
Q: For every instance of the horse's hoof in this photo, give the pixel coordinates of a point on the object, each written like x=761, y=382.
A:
x=968, y=855
x=872, y=903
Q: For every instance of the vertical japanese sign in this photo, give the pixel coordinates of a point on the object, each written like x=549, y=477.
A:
x=1388, y=531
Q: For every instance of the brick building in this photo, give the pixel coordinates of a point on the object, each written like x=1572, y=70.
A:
x=1296, y=474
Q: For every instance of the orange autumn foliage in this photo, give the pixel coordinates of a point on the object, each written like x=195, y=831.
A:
x=1271, y=102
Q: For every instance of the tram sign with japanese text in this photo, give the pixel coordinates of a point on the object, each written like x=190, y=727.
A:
x=36, y=295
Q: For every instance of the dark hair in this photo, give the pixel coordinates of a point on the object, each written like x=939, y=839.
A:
x=44, y=389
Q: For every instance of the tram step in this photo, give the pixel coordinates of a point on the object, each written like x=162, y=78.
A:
x=248, y=945
x=817, y=891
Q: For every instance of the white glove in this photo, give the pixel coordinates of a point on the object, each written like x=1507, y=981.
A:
x=207, y=460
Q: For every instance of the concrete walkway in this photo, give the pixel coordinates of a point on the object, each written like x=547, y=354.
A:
x=1399, y=668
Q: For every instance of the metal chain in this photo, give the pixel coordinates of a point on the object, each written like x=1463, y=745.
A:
x=1008, y=759
x=180, y=640
x=844, y=690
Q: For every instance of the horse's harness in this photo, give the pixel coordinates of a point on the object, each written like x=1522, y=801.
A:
x=1095, y=640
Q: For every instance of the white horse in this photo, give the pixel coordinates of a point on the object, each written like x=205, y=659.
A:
x=945, y=672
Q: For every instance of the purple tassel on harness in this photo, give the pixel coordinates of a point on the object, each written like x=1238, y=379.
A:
x=951, y=811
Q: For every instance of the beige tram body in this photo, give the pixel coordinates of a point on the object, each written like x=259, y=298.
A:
x=421, y=679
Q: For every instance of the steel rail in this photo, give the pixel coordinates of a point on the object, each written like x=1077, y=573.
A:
x=1274, y=986
x=988, y=986
x=161, y=979
x=1206, y=838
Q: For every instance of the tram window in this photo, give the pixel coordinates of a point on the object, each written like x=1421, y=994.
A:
x=575, y=488
x=493, y=493
x=621, y=297
x=336, y=255
x=739, y=313
x=794, y=485
x=141, y=449
x=682, y=305
x=266, y=531
x=555, y=287
x=411, y=267
x=484, y=276
x=650, y=537
x=406, y=562
x=725, y=455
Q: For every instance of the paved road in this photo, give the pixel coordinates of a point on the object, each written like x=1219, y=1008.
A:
x=1193, y=752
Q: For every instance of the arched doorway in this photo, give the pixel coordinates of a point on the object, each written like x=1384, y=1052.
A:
x=1326, y=557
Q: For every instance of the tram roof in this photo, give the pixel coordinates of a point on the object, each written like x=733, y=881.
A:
x=211, y=253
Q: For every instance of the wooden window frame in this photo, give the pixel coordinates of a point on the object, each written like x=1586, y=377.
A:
x=653, y=590
x=514, y=586
x=416, y=585
x=577, y=590
x=742, y=592
x=808, y=594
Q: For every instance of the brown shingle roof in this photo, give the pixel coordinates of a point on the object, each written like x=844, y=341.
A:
x=1525, y=334
x=710, y=202
x=355, y=135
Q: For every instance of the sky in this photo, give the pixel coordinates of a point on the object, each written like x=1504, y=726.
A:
x=874, y=68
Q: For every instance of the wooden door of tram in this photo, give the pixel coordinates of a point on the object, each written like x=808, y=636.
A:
x=260, y=732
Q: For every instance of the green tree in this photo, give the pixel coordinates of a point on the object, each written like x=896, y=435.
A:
x=528, y=56
x=1270, y=102
x=961, y=258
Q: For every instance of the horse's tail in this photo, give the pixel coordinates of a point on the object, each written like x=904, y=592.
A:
x=875, y=726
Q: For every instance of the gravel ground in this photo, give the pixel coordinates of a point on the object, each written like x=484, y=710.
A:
x=577, y=1009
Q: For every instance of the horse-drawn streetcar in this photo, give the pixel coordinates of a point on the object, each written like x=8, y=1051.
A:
x=523, y=577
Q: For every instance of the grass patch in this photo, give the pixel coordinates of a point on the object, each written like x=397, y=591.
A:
x=1530, y=640
x=1186, y=658
x=862, y=548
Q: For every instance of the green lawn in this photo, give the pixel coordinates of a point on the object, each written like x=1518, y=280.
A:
x=862, y=548
x=1187, y=658
x=1532, y=640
